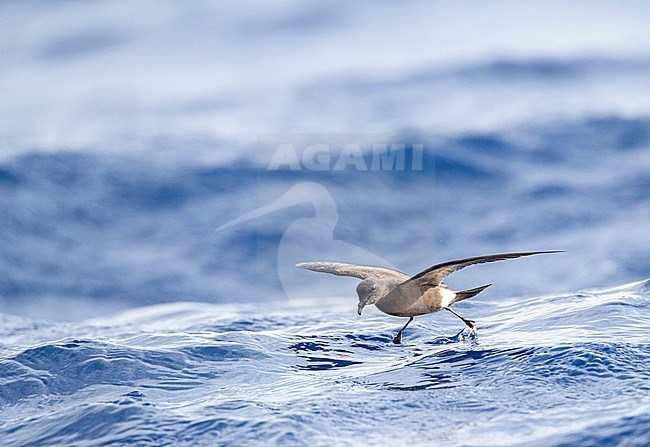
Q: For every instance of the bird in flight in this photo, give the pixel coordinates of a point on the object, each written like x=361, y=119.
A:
x=397, y=294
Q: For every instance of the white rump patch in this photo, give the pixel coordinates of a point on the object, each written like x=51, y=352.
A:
x=447, y=297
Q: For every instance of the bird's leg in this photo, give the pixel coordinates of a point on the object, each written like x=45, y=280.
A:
x=470, y=323
x=398, y=338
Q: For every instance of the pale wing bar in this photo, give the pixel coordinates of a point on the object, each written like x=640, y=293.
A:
x=354, y=270
x=434, y=275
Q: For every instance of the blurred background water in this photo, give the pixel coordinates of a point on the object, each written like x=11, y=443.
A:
x=130, y=131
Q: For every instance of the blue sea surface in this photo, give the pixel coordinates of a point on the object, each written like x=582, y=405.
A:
x=148, y=294
x=550, y=370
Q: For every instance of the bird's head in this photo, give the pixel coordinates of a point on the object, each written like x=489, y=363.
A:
x=369, y=292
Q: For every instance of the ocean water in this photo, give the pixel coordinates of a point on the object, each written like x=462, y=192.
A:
x=148, y=294
x=548, y=370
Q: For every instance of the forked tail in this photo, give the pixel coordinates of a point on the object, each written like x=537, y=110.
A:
x=464, y=294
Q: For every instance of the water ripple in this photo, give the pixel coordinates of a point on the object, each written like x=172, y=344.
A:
x=546, y=363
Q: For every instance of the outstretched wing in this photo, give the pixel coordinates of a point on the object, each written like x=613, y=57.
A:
x=433, y=276
x=354, y=270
